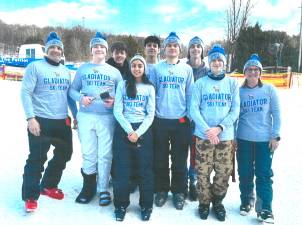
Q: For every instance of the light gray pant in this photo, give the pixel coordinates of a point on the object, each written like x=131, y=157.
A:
x=96, y=134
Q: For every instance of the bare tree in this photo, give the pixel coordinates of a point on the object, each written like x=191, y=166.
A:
x=237, y=19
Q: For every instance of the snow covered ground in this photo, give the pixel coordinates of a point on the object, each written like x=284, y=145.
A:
x=14, y=149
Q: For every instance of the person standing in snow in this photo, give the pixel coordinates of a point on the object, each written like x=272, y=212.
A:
x=94, y=88
x=258, y=136
x=214, y=109
x=173, y=82
x=195, y=60
x=134, y=110
x=45, y=101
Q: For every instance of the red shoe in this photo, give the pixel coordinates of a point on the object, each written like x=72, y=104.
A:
x=53, y=193
x=31, y=205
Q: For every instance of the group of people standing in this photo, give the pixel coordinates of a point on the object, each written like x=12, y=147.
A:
x=139, y=119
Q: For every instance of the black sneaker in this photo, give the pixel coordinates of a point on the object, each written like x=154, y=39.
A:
x=265, y=216
x=192, y=192
x=160, y=198
x=120, y=213
x=203, y=210
x=146, y=213
x=245, y=209
x=179, y=201
x=219, y=211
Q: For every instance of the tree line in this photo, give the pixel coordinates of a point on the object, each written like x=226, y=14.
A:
x=251, y=39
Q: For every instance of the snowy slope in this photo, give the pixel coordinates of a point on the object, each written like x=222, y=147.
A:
x=14, y=150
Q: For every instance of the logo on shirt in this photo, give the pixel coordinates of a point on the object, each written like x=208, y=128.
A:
x=57, y=74
x=170, y=72
x=250, y=97
x=216, y=89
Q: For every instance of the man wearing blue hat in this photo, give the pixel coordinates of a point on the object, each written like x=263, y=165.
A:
x=45, y=101
x=94, y=88
x=173, y=82
x=214, y=109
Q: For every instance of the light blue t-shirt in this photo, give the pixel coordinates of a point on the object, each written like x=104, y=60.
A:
x=140, y=109
x=215, y=102
x=259, y=118
x=44, y=90
x=173, y=84
x=92, y=80
x=149, y=69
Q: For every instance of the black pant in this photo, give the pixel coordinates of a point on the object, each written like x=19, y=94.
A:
x=124, y=155
x=175, y=133
x=53, y=132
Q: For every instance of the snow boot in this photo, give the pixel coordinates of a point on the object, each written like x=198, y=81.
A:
x=146, y=213
x=160, y=198
x=89, y=188
x=218, y=207
x=203, y=210
x=120, y=213
x=179, y=201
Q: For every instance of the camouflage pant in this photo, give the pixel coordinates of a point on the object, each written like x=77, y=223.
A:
x=208, y=157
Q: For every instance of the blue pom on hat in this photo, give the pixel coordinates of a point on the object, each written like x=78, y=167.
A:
x=53, y=40
x=196, y=40
x=172, y=38
x=217, y=52
x=253, y=60
x=99, y=39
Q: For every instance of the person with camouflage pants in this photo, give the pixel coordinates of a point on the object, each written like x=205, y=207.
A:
x=214, y=109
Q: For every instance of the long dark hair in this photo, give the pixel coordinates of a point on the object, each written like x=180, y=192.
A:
x=260, y=84
x=131, y=90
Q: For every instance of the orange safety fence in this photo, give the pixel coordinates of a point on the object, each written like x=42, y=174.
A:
x=280, y=80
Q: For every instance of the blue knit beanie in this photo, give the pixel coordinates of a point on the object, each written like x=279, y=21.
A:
x=217, y=52
x=197, y=41
x=98, y=39
x=172, y=38
x=53, y=40
x=254, y=60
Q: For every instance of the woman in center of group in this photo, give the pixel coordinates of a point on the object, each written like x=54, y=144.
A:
x=132, y=142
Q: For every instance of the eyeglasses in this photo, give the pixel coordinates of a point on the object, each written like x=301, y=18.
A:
x=256, y=70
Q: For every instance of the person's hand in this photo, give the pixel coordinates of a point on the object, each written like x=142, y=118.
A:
x=75, y=124
x=109, y=102
x=212, y=135
x=214, y=140
x=213, y=132
x=34, y=126
x=133, y=137
x=273, y=144
x=86, y=100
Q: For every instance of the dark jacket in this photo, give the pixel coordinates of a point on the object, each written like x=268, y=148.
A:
x=124, y=69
